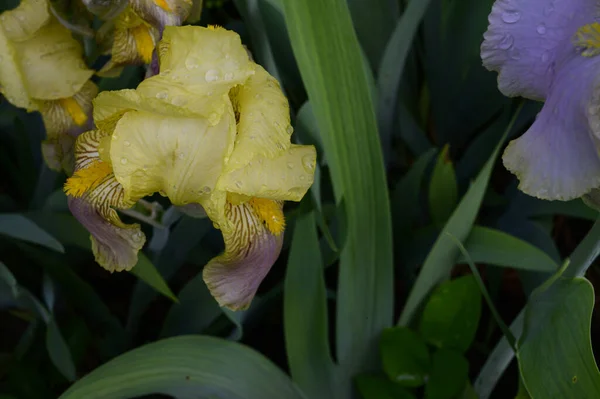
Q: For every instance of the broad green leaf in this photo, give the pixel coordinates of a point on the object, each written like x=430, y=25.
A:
x=392, y=65
x=495, y=247
x=451, y=315
x=442, y=256
x=379, y=387
x=145, y=271
x=333, y=72
x=187, y=367
x=59, y=351
x=305, y=313
x=555, y=354
x=449, y=374
x=18, y=226
x=443, y=191
x=63, y=226
x=405, y=356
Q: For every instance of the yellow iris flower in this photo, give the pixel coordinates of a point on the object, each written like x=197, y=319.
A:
x=41, y=69
x=212, y=128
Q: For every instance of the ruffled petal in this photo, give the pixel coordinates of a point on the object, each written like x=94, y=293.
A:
x=51, y=63
x=105, y=9
x=161, y=13
x=527, y=41
x=12, y=81
x=250, y=250
x=556, y=159
x=24, y=21
x=212, y=60
x=93, y=193
x=180, y=157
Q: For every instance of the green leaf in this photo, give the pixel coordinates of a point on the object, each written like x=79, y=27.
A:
x=495, y=247
x=187, y=367
x=338, y=89
x=305, y=313
x=145, y=271
x=443, y=191
x=59, y=351
x=442, y=256
x=18, y=226
x=449, y=373
x=379, y=387
x=405, y=356
x=555, y=354
x=451, y=315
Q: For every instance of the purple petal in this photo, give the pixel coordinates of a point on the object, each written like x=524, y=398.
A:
x=233, y=279
x=115, y=246
x=527, y=41
x=557, y=157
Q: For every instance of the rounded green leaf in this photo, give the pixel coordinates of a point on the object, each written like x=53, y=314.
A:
x=187, y=367
x=452, y=314
x=449, y=373
x=405, y=356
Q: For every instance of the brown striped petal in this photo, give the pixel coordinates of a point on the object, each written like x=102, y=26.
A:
x=250, y=250
x=161, y=13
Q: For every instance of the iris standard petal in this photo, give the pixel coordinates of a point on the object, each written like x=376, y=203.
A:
x=212, y=60
x=24, y=21
x=161, y=13
x=527, y=41
x=51, y=63
x=180, y=157
x=12, y=81
x=93, y=193
x=250, y=250
x=556, y=159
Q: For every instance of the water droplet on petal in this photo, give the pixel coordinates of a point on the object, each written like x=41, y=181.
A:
x=506, y=42
x=511, y=16
x=309, y=163
x=179, y=101
x=123, y=161
x=137, y=236
x=290, y=165
x=228, y=76
x=515, y=54
x=545, y=56
x=549, y=10
x=213, y=118
x=289, y=130
x=180, y=155
x=191, y=63
x=238, y=184
x=126, y=143
x=212, y=75
x=258, y=96
x=162, y=95
x=541, y=28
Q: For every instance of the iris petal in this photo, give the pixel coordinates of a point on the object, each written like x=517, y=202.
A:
x=556, y=158
x=527, y=41
x=161, y=13
x=24, y=21
x=250, y=250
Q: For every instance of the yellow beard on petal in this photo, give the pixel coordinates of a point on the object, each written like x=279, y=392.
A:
x=87, y=179
x=162, y=4
x=270, y=213
x=74, y=109
x=144, y=42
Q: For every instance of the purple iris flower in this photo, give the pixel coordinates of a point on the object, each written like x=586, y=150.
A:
x=547, y=50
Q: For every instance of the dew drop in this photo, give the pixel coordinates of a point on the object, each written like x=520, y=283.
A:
x=545, y=56
x=211, y=75
x=123, y=161
x=179, y=101
x=21, y=17
x=126, y=143
x=238, y=184
x=228, y=76
x=541, y=29
x=549, y=10
x=309, y=163
x=290, y=165
x=302, y=177
x=180, y=155
x=506, y=42
x=137, y=236
x=191, y=64
x=205, y=190
x=511, y=16
x=258, y=96
x=515, y=54
x=227, y=56
x=289, y=130
x=162, y=95
x=213, y=118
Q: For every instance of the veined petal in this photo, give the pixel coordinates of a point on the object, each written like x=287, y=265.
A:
x=51, y=63
x=93, y=192
x=161, y=13
x=250, y=250
x=12, y=81
x=58, y=153
x=556, y=159
x=71, y=115
x=527, y=41
x=212, y=60
x=180, y=157
x=24, y=21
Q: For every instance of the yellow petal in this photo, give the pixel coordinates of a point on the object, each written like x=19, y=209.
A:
x=180, y=157
x=286, y=177
x=52, y=63
x=211, y=60
x=264, y=119
x=25, y=20
x=12, y=81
